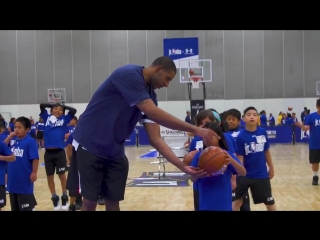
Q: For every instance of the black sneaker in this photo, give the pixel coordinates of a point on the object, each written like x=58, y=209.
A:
x=100, y=201
x=78, y=203
x=315, y=180
x=56, y=203
x=72, y=207
x=64, y=203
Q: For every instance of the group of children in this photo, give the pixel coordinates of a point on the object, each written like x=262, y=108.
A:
x=19, y=157
x=250, y=164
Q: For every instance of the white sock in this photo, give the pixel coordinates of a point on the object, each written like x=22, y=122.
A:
x=315, y=173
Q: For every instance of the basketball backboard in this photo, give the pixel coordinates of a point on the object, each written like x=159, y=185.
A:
x=318, y=88
x=201, y=68
x=57, y=95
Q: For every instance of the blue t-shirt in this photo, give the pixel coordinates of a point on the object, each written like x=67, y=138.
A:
x=313, y=120
x=19, y=171
x=33, y=129
x=70, y=139
x=40, y=126
x=272, y=121
x=263, y=120
x=215, y=193
x=4, y=151
x=192, y=147
x=289, y=121
x=55, y=128
x=111, y=115
x=242, y=123
x=193, y=143
x=252, y=146
x=11, y=126
x=3, y=136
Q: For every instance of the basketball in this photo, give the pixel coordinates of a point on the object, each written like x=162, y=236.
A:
x=213, y=160
x=191, y=72
x=187, y=159
x=290, y=108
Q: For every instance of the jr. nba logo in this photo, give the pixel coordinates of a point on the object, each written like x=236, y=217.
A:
x=305, y=134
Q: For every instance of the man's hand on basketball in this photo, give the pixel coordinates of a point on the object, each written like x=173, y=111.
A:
x=206, y=133
x=195, y=172
x=228, y=157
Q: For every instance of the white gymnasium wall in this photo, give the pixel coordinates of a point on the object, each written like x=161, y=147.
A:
x=179, y=108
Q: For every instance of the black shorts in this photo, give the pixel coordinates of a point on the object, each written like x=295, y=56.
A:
x=314, y=155
x=245, y=207
x=22, y=202
x=99, y=175
x=73, y=176
x=55, y=160
x=3, y=197
x=40, y=135
x=196, y=199
x=260, y=190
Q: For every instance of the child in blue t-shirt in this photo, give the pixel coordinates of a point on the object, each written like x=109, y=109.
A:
x=22, y=173
x=215, y=192
x=5, y=156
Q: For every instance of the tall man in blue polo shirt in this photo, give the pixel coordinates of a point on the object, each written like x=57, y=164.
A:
x=126, y=97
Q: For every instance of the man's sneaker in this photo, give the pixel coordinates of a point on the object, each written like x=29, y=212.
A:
x=64, y=203
x=315, y=180
x=78, y=202
x=56, y=203
x=100, y=201
x=72, y=207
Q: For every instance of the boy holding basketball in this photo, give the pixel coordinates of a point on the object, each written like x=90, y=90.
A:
x=233, y=117
x=253, y=151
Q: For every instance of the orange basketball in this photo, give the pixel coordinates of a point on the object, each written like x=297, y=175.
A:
x=191, y=72
x=290, y=108
x=213, y=160
x=187, y=159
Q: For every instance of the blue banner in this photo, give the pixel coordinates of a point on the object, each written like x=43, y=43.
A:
x=302, y=136
x=132, y=140
x=181, y=48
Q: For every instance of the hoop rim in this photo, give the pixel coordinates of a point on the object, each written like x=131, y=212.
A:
x=195, y=79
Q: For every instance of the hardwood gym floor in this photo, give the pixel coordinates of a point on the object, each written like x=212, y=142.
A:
x=291, y=185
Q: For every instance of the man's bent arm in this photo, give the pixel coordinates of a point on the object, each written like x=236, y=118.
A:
x=163, y=118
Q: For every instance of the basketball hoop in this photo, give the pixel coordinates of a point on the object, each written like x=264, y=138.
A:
x=195, y=81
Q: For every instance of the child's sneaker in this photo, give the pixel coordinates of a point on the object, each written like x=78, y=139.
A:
x=64, y=203
x=72, y=207
x=56, y=203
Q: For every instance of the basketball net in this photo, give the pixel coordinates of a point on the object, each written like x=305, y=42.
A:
x=195, y=82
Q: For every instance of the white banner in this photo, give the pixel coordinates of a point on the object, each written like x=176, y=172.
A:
x=166, y=132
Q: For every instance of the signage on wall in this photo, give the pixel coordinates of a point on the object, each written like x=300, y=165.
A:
x=196, y=106
x=181, y=49
x=167, y=132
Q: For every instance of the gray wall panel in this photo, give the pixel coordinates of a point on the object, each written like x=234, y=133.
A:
x=8, y=67
x=175, y=92
x=293, y=64
x=155, y=50
x=246, y=64
x=311, y=61
x=214, y=51
x=26, y=68
x=233, y=58
x=118, y=49
x=44, y=64
x=273, y=64
x=99, y=57
x=63, y=62
x=137, y=47
x=253, y=64
x=81, y=66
